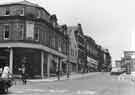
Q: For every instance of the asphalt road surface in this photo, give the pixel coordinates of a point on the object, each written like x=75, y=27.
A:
x=98, y=84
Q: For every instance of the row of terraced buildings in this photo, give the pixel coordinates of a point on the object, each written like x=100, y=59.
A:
x=30, y=35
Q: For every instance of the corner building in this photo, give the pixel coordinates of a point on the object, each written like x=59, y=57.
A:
x=30, y=35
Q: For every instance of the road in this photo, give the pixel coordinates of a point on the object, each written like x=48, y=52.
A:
x=98, y=84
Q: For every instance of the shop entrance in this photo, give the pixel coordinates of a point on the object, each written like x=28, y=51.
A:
x=4, y=57
x=31, y=59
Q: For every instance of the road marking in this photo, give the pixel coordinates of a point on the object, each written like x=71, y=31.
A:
x=36, y=90
x=86, y=92
x=19, y=92
x=58, y=91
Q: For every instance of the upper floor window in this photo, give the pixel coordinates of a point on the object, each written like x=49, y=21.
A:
x=30, y=30
x=36, y=34
x=22, y=12
x=39, y=14
x=7, y=12
x=21, y=30
x=59, y=45
x=19, y=12
x=53, y=42
x=6, y=32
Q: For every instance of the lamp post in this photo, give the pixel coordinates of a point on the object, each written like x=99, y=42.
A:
x=68, y=67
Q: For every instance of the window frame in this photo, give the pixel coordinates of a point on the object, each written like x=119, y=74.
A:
x=22, y=10
x=21, y=30
x=7, y=9
x=8, y=29
x=36, y=32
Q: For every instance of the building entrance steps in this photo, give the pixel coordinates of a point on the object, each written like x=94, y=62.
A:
x=71, y=76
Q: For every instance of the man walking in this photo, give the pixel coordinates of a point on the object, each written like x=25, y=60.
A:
x=23, y=74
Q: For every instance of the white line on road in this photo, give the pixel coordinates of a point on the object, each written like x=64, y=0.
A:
x=58, y=91
x=86, y=92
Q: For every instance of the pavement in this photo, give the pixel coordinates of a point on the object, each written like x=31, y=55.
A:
x=71, y=77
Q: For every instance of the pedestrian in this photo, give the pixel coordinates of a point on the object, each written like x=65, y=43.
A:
x=58, y=74
x=1, y=71
x=5, y=73
x=23, y=74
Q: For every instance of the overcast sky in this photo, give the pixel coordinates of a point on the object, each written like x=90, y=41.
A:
x=110, y=23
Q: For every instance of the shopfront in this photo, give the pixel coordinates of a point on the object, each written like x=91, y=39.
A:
x=39, y=61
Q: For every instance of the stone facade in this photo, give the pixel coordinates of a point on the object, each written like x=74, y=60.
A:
x=92, y=54
x=29, y=31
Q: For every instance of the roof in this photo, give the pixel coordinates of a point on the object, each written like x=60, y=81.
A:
x=73, y=28
x=24, y=2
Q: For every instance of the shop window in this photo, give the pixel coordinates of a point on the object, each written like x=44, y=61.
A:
x=7, y=12
x=6, y=32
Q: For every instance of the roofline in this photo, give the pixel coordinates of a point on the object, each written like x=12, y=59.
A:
x=17, y=3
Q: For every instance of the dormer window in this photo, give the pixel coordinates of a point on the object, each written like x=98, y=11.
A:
x=53, y=20
x=7, y=12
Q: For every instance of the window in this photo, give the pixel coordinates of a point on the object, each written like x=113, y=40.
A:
x=6, y=32
x=29, y=30
x=39, y=14
x=53, y=42
x=59, y=45
x=7, y=12
x=20, y=12
x=21, y=30
x=36, y=34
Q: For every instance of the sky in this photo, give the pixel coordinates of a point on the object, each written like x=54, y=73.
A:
x=111, y=23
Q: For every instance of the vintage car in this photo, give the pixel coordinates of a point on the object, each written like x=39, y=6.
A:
x=116, y=71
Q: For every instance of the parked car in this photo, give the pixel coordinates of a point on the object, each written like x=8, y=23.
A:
x=133, y=76
x=116, y=71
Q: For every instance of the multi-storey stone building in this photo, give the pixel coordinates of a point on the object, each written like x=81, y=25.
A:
x=31, y=35
x=73, y=49
x=77, y=50
x=128, y=61
x=104, y=59
x=92, y=54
